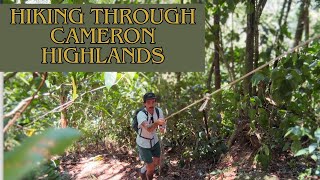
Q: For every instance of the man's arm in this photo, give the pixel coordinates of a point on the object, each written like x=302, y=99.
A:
x=142, y=122
x=153, y=126
x=149, y=127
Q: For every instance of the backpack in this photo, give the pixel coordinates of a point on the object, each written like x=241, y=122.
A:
x=135, y=119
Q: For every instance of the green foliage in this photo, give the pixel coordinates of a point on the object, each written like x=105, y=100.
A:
x=263, y=157
x=209, y=149
x=35, y=149
x=312, y=150
x=257, y=78
x=48, y=170
x=289, y=107
x=294, y=96
x=303, y=110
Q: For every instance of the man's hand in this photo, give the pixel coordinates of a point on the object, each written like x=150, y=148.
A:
x=160, y=122
x=154, y=125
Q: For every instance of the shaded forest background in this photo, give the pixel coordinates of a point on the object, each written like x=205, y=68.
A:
x=275, y=112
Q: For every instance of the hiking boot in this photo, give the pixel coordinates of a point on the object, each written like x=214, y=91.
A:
x=143, y=176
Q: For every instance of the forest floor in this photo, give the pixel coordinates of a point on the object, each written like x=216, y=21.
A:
x=103, y=163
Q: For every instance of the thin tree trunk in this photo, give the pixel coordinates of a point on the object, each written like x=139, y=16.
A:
x=249, y=46
x=209, y=88
x=256, y=50
x=177, y=96
x=231, y=65
x=282, y=13
x=306, y=21
x=260, y=6
x=215, y=66
x=178, y=86
x=178, y=91
x=301, y=21
x=252, y=42
x=233, y=76
x=279, y=38
x=63, y=118
x=285, y=22
x=216, y=61
x=282, y=24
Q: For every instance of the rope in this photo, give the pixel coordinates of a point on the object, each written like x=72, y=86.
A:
x=69, y=103
x=246, y=75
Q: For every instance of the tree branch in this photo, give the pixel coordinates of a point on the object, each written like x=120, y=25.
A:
x=24, y=104
x=260, y=7
x=21, y=104
x=7, y=77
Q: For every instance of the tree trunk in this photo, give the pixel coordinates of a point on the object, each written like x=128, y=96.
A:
x=63, y=117
x=260, y=6
x=301, y=21
x=216, y=61
x=282, y=24
x=306, y=21
x=249, y=46
x=254, y=11
x=279, y=38
x=209, y=88
x=233, y=76
x=256, y=50
x=215, y=66
x=282, y=13
x=177, y=96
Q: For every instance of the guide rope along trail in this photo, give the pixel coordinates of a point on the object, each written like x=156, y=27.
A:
x=207, y=96
x=243, y=77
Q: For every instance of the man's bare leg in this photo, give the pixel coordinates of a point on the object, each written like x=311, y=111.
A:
x=156, y=162
x=150, y=171
x=142, y=172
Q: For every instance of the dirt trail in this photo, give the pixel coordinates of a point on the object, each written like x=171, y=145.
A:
x=114, y=167
x=100, y=166
x=236, y=164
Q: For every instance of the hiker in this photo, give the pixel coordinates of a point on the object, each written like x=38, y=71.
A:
x=149, y=119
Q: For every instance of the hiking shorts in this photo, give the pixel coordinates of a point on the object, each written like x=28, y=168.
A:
x=146, y=154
